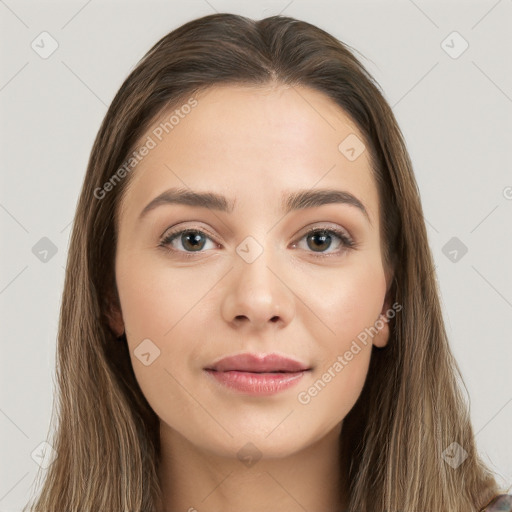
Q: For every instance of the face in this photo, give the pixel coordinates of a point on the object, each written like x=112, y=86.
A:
x=198, y=283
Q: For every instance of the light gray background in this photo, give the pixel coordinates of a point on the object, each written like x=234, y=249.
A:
x=455, y=114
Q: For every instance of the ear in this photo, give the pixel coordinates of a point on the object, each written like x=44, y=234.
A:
x=114, y=314
x=382, y=323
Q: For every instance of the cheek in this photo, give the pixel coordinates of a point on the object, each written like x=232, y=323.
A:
x=154, y=299
x=352, y=304
x=336, y=385
x=158, y=308
x=349, y=304
x=161, y=305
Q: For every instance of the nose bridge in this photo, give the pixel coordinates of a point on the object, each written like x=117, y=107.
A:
x=253, y=267
x=257, y=293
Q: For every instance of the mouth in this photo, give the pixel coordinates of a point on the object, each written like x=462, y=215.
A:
x=254, y=363
x=257, y=375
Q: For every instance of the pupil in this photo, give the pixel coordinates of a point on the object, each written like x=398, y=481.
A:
x=322, y=236
x=194, y=237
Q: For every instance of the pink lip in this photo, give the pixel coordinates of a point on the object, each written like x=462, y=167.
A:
x=264, y=363
x=258, y=375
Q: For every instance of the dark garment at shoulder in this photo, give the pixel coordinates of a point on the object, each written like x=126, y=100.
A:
x=502, y=503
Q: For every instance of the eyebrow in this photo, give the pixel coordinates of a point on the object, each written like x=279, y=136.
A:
x=297, y=200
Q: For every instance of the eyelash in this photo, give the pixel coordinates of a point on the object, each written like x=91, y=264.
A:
x=347, y=241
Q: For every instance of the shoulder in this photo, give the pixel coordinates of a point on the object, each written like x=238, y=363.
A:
x=501, y=503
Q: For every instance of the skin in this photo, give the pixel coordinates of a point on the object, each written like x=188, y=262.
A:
x=253, y=144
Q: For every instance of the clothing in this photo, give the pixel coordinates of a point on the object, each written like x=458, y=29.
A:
x=501, y=503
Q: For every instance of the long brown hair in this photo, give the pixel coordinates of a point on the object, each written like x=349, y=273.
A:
x=411, y=408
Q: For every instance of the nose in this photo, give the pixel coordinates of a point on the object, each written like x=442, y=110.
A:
x=258, y=295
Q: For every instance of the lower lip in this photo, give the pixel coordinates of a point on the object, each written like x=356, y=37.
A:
x=257, y=383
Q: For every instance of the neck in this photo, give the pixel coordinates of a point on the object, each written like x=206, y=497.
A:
x=194, y=480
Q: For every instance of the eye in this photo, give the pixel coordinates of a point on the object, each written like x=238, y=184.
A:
x=193, y=240
x=321, y=239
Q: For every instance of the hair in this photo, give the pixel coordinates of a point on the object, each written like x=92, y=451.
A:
x=411, y=407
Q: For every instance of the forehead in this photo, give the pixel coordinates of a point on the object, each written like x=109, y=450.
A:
x=254, y=143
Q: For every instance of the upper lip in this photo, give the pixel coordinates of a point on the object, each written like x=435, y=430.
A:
x=258, y=364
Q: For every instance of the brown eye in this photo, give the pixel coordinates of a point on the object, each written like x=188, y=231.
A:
x=191, y=240
x=321, y=240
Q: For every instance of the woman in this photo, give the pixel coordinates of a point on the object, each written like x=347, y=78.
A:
x=250, y=317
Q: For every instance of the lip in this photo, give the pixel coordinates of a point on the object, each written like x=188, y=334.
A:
x=253, y=374
x=264, y=363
